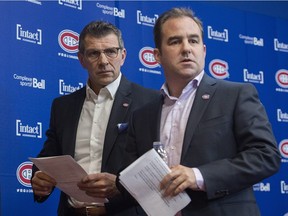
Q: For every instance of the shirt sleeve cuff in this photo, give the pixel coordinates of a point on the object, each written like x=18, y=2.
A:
x=199, y=179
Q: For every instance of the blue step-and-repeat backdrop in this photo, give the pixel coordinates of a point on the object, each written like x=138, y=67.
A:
x=38, y=61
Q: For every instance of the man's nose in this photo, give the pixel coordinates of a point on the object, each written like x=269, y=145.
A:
x=103, y=58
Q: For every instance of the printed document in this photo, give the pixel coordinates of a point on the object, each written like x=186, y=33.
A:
x=67, y=173
x=142, y=180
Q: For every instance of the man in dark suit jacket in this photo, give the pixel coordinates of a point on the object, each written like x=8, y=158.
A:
x=91, y=124
x=216, y=133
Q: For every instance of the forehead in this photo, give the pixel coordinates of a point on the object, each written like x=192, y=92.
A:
x=109, y=40
x=180, y=26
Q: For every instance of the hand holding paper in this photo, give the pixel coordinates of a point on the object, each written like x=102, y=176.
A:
x=67, y=173
x=142, y=179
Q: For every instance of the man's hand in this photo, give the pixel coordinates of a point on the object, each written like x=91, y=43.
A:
x=178, y=180
x=42, y=184
x=100, y=185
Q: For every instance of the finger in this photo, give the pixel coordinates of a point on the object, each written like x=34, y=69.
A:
x=166, y=181
x=45, y=177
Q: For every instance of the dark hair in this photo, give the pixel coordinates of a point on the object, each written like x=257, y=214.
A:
x=99, y=29
x=173, y=13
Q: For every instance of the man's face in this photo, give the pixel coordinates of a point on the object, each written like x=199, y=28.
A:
x=182, y=53
x=102, y=70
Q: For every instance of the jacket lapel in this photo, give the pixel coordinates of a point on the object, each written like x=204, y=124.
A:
x=119, y=112
x=75, y=108
x=203, y=96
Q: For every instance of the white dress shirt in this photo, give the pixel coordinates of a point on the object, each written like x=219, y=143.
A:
x=92, y=128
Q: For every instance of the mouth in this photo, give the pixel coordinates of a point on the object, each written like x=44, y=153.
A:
x=186, y=60
x=105, y=72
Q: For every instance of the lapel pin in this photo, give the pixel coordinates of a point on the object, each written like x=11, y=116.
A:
x=205, y=96
x=125, y=104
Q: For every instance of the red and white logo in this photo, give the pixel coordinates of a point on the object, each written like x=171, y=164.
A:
x=146, y=57
x=24, y=173
x=281, y=78
x=68, y=41
x=283, y=148
x=219, y=69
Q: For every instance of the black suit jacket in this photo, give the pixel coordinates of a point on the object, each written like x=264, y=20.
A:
x=61, y=135
x=228, y=138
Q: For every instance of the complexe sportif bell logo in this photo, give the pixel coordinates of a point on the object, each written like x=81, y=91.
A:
x=24, y=173
x=219, y=69
x=28, y=35
x=252, y=40
x=26, y=130
x=262, y=187
x=68, y=41
x=109, y=10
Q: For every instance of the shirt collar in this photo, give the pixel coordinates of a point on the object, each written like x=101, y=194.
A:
x=110, y=89
x=192, y=84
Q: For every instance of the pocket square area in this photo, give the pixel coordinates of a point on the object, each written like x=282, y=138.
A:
x=122, y=127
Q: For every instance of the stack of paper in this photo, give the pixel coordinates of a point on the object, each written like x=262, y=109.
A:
x=142, y=179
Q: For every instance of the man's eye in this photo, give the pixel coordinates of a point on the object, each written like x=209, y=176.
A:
x=93, y=53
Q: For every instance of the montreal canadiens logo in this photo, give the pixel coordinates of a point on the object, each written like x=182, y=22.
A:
x=283, y=148
x=146, y=57
x=68, y=41
x=281, y=78
x=219, y=69
x=24, y=173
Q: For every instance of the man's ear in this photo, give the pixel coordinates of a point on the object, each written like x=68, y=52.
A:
x=81, y=59
x=157, y=55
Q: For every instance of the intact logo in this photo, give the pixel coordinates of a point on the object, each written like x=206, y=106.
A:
x=219, y=69
x=65, y=89
x=283, y=148
x=24, y=173
x=76, y=4
x=68, y=41
x=281, y=78
x=284, y=187
x=28, y=35
x=146, y=20
x=146, y=57
x=280, y=46
x=282, y=116
x=217, y=35
x=26, y=130
x=253, y=78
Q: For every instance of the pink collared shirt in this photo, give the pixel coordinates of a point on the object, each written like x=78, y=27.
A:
x=174, y=117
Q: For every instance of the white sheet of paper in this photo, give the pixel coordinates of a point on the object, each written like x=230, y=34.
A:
x=67, y=173
x=142, y=179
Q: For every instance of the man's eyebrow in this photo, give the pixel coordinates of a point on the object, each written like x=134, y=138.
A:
x=174, y=38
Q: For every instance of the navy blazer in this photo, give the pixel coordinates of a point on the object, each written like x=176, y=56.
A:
x=61, y=135
x=228, y=138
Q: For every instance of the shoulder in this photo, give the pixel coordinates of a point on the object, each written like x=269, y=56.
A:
x=136, y=90
x=227, y=84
